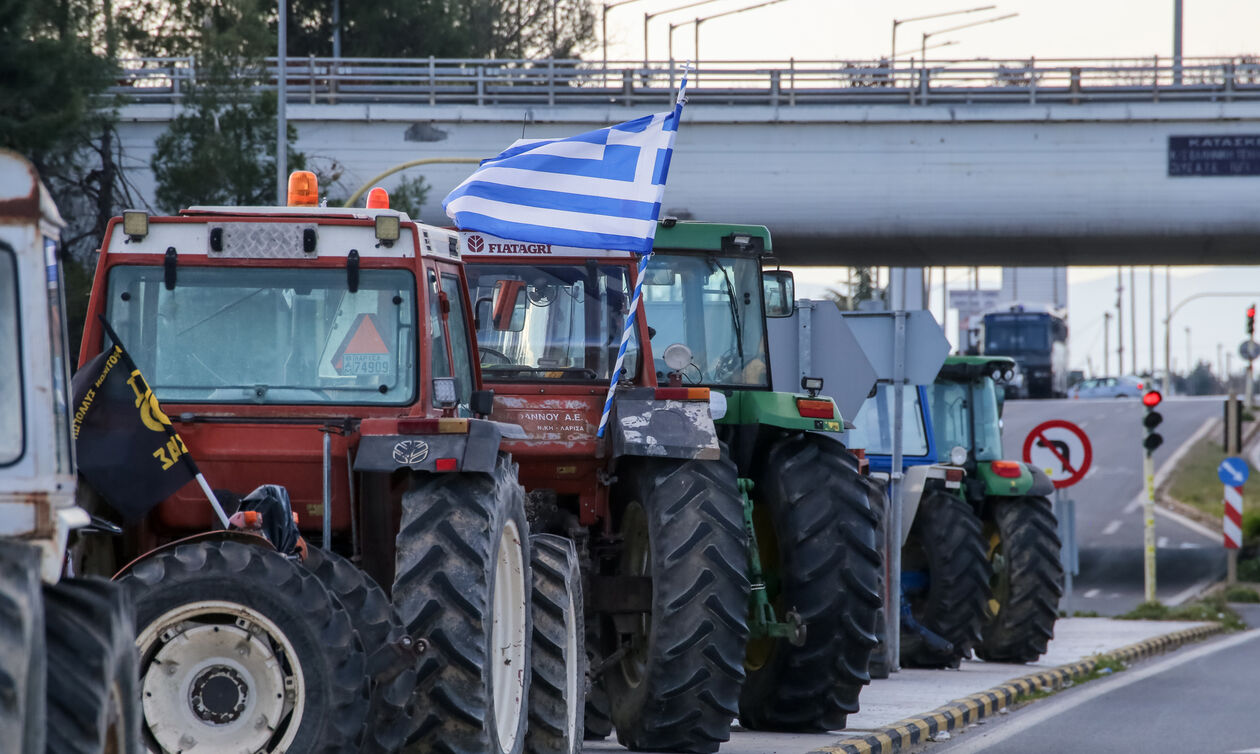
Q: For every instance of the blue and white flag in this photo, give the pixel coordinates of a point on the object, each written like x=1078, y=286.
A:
x=598, y=190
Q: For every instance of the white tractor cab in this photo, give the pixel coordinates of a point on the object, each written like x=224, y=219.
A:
x=65, y=643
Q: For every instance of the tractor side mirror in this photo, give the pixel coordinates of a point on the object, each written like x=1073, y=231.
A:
x=779, y=292
x=482, y=402
x=509, y=305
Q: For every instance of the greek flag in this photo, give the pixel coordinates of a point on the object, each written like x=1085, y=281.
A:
x=598, y=190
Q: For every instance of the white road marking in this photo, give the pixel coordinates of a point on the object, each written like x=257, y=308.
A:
x=1044, y=711
x=1112, y=527
x=1190, y=524
x=1189, y=594
x=1091, y=594
x=1161, y=541
x=1190, y=546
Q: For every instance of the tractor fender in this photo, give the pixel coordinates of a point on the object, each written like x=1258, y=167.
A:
x=913, y=481
x=663, y=428
x=477, y=450
x=234, y=535
x=1033, y=482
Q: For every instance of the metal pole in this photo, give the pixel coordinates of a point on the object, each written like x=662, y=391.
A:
x=697, y=48
x=1150, y=275
x=1148, y=526
x=892, y=55
x=1106, y=343
x=1168, y=329
x=336, y=22
x=1177, y=19
x=1119, y=321
x=282, y=125
x=603, y=38
x=327, y=540
x=1189, y=366
x=892, y=612
x=1132, y=320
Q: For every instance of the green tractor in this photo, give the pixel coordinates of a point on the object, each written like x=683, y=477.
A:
x=1013, y=519
x=814, y=563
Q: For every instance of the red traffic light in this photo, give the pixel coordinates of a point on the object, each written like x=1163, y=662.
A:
x=1152, y=398
x=1251, y=312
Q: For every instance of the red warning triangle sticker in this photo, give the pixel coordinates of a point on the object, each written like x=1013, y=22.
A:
x=363, y=339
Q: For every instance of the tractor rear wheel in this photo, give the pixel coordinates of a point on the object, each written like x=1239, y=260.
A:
x=93, y=698
x=945, y=553
x=816, y=537
x=676, y=684
x=462, y=585
x=22, y=656
x=1027, y=580
x=879, y=665
x=241, y=649
x=557, y=693
x=392, y=716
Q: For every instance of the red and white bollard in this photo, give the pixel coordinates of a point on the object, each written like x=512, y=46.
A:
x=1233, y=517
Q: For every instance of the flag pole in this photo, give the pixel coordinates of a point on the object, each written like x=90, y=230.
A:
x=170, y=430
x=638, y=283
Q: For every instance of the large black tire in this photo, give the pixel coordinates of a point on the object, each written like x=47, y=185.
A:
x=677, y=687
x=816, y=535
x=458, y=532
x=945, y=543
x=393, y=714
x=1027, y=579
x=93, y=693
x=879, y=666
x=22, y=656
x=197, y=604
x=557, y=694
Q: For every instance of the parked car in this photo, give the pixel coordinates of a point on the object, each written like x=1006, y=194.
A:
x=1108, y=387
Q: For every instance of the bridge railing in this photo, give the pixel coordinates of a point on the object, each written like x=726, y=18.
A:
x=790, y=83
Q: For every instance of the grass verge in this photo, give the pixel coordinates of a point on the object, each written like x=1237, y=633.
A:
x=1212, y=608
x=1195, y=482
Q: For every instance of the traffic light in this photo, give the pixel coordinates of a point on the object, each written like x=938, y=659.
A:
x=1153, y=439
x=1251, y=320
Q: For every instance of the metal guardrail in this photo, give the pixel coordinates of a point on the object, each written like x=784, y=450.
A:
x=439, y=81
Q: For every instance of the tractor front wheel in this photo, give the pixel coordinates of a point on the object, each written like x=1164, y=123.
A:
x=557, y=694
x=462, y=586
x=945, y=578
x=241, y=649
x=22, y=656
x=816, y=535
x=1027, y=580
x=676, y=684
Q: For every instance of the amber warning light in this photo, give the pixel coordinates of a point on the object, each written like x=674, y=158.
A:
x=378, y=198
x=303, y=189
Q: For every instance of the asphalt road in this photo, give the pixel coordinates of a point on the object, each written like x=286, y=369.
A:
x=1197, y=699
x=1109, y=500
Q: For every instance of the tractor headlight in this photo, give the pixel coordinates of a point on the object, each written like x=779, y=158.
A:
x=958, y=455
x=676, y=356
x=444, y=395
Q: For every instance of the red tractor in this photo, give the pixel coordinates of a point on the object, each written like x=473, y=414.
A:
x=331, y=352
x=653, y=506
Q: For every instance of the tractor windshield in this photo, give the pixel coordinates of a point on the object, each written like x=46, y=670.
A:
x=265, y=335
x=551, y=321
x=953, y=404
x=713, y=305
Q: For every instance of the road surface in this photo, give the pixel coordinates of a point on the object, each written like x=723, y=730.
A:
x=1109, y=500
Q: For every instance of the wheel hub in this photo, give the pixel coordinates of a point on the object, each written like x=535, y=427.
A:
x=219, y=695
x=219, y=676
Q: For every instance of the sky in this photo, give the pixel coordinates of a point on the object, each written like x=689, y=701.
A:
x=850, y=30
x=1045, y=29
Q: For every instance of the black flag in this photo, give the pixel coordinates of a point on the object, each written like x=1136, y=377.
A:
x=127, y=449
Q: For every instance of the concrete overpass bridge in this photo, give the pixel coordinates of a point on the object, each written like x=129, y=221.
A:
x=946, y=163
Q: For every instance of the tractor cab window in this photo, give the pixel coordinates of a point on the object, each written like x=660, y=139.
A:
x=873, y=424
x=954, y=404
x=12, y=425
x=712, y=305
x=269, y=335
x=551, y=322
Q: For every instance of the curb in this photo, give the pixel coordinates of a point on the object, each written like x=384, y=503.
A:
x=962, y=712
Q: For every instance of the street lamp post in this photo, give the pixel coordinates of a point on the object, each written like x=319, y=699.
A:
x=1168, y=328
x=649, y=16
x=928, y=34
x=603, y=26
x=701, y=19
x=282, y=125
x=899, y=21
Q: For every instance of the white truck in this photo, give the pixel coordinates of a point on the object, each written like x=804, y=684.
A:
x=67, y=658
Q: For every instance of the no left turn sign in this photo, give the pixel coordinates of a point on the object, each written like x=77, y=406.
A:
x=1061, y=449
